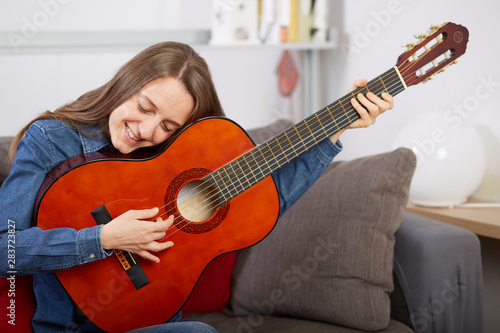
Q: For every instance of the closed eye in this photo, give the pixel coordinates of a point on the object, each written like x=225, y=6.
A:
x=142, y=109
x=166, y=128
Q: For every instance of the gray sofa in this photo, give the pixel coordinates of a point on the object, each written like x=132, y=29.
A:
x=348, y=258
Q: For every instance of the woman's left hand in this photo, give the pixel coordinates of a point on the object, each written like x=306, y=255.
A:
x=368, y=106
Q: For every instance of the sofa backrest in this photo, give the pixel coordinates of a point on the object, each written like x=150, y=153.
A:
x=5, y=142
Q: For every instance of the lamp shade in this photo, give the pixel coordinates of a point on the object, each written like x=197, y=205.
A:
x=450, y=159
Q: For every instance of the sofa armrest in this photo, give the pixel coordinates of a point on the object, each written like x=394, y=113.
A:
x=439, y=269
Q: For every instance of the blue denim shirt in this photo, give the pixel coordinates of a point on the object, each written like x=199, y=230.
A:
x=41, y=252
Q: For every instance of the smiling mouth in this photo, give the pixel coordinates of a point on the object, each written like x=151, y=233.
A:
x=130, y=134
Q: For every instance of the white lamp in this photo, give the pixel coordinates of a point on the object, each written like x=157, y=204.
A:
x=450, y=159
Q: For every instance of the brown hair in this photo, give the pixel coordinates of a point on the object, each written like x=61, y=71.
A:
x=160, y=60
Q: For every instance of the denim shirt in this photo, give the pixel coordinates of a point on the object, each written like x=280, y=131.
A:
x=48, y=143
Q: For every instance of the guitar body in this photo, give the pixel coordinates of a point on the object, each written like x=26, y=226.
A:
x=102, y=289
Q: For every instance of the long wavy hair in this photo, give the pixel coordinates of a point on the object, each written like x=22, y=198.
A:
x=166, y=59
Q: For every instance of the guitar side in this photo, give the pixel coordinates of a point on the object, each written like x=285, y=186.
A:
x=102, y=289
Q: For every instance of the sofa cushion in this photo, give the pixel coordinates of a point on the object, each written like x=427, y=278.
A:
x=255, y=323
x=330, y=256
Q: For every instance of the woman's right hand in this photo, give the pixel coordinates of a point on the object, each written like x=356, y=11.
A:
x=133, y=233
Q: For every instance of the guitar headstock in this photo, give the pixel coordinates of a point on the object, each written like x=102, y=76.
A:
x=433, y=52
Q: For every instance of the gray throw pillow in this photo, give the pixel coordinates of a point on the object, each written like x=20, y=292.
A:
x=330, y=257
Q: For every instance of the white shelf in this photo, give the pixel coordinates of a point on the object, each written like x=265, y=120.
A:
x=93, y=41
x=120, y=41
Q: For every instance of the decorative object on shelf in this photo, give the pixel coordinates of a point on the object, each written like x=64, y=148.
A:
x=450, y=159
x=287, y=73
x=320, y=24
x=489, y=189
x=235, y=22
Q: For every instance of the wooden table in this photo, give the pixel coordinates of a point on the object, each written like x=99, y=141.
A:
x=484, y=221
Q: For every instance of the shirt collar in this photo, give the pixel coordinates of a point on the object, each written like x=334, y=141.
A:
x=91, y=142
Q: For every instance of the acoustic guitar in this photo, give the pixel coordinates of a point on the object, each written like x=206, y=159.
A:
x=215, y=182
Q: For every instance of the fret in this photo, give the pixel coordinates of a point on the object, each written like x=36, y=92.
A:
x=319, y=122
x=217, y=183
x=278, y=142
x=333, y=118
x=250, y=168
x=340, y=103
x=304, y=136
x=243, y=173
x=265, y=159
x=312, y=135
x=274, y=156
x=381, y=81
x=231, y=187
x=291, y=144
x=258, y=166
x=238, y=178
x=231, y=183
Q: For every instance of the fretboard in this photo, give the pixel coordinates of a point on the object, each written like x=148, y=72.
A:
x=252, y=167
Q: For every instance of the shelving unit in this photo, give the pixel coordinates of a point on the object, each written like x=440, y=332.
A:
x=57, y=42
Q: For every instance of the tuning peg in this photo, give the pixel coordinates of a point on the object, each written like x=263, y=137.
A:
x=429, y=78
x=421, y=37
x=435, y=28
x=442, y=70
x=410, y=46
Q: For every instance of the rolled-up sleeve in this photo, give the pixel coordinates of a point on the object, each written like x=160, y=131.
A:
x=296, y=177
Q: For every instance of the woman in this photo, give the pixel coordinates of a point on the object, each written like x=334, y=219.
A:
x=157, y=93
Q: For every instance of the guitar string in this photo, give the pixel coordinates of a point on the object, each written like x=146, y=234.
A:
x=299, y=132
x=376, y=87
x=237, y=191
x=343, y=123
x=223, y=178
x=409, y=63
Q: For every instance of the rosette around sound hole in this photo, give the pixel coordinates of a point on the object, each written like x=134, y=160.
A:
x=194, y=202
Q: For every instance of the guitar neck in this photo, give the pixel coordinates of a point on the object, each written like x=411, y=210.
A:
x=250, y=168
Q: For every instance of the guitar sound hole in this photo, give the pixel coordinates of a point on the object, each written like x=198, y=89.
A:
x=197, y=201
x=194, y=202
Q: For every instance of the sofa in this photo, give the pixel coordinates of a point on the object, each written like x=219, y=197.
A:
x=345, y=258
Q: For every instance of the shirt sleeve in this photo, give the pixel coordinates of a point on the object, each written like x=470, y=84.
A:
x=28, y=250
x=295, y=178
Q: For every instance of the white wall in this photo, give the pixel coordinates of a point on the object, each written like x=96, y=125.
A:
x=246, y=79
x=32, y=83
x=369, y=57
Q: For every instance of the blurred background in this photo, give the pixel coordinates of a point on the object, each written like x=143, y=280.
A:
x=367, y=35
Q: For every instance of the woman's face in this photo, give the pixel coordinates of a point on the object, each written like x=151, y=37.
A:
x=151, y=116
